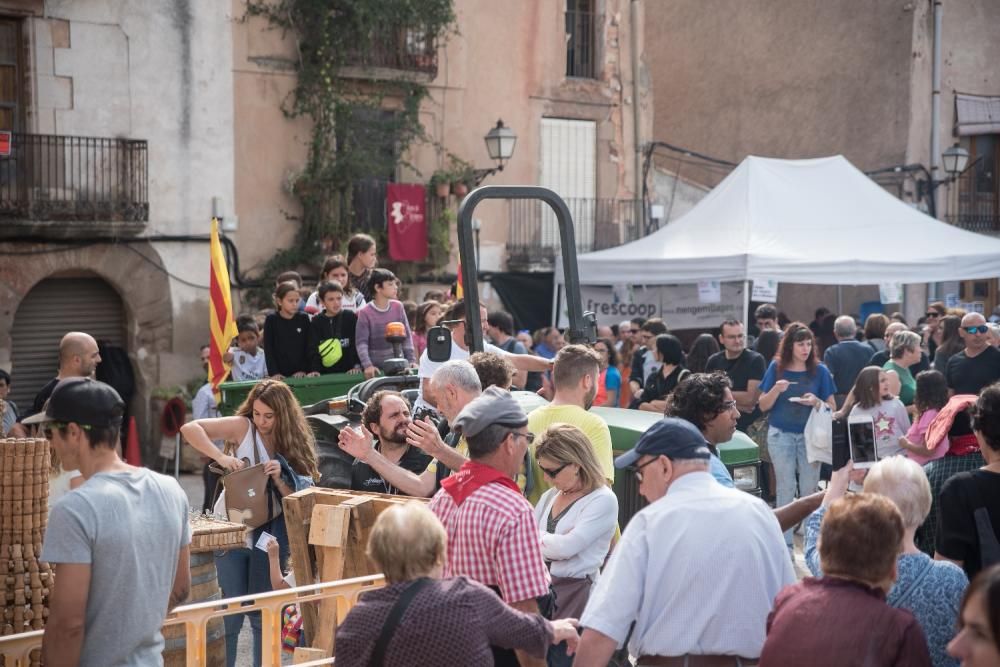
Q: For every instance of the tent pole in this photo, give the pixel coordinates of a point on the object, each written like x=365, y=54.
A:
x=840, y=300
x=746, y=304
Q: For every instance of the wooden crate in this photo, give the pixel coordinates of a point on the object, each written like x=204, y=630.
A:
x=328, y=533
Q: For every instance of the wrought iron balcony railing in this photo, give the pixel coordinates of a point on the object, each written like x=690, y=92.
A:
x=53, y=178
x=978, y=202
x=533, y=239
x=409, y=49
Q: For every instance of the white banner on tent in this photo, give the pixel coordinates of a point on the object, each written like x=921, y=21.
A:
x=678, y=305
x=890, y=292
x=764, y=289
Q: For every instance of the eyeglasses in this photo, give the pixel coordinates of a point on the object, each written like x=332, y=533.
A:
x=637, y=470
x=58, y=426
x=552, y=473
x=728, y=405
x=982, y=328
x=530, y=437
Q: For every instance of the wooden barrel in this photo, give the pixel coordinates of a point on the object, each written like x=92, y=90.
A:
x=204, y=587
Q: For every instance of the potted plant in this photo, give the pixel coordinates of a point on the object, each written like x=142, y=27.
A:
x=463, y=177
x=441, y=182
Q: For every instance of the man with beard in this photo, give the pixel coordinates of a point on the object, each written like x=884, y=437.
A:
x=387, y=417
x=574, y=379
x=78, y=357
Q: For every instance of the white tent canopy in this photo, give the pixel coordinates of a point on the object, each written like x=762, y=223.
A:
x=818, y=221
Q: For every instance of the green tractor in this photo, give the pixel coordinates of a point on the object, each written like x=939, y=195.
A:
x=332, y=402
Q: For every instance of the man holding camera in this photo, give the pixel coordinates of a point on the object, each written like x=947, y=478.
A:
x=455, y=384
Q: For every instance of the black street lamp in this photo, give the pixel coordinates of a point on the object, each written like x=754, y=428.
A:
x=500, y=142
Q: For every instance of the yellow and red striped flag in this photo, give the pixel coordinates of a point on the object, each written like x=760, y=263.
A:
x=459, y=291
x=222, y=324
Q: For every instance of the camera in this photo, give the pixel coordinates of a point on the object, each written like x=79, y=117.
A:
x=424, y=412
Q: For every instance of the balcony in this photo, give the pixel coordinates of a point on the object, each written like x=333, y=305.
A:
x=397, y=53
x=978, y=207
x=533, y=240
x=63, y=186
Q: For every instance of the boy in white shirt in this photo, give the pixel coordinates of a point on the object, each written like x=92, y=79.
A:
x=247, y=358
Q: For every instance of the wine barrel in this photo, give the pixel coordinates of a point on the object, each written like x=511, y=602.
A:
x=204, y=587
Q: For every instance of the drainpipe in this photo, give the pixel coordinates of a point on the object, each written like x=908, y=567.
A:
x=936, y=106
x=634, y=28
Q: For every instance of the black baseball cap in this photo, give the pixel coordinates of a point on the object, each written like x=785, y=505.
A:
x=82, y=401
x=671, y=437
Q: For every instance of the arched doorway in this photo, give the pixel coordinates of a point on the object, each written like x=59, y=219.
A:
x=53, y=307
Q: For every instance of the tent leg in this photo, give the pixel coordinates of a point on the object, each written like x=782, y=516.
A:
x=746, y=304
x=840, y=300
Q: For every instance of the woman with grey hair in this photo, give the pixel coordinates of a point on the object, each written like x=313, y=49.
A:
x=930, y=589
x=904, y=351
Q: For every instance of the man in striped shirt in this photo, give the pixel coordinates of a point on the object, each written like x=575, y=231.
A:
x=492, y=536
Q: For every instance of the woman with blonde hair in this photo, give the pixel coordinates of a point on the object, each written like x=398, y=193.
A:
x=438, y=621
x=930, y=589
x=576, y=517
x=271, y=428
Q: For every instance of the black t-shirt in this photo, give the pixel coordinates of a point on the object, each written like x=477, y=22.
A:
x=364, y=477
x=658, y=387
x=970, y=375
x=285, y=344
x=41, y=397
x=961, y=495
x=748, y=366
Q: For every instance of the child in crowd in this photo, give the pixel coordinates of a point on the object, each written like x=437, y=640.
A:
x=331, y=344
x=870, y=397
x=292, y=277
x=931, y=396
x=428, y=314
x=247, y=358
x=291, y=619
x=285, y=334
x=335, y=270
x=373, y=349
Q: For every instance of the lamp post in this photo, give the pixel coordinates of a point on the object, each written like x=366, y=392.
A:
x=500, y=142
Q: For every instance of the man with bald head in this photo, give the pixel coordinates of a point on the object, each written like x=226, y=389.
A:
x=978, y=365
x=78, y=357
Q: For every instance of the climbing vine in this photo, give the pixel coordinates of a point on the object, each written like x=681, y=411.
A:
x=362, y=124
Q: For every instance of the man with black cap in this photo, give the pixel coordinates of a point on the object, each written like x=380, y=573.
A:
x=492, y=535
x=125, y=529
x=697, y=570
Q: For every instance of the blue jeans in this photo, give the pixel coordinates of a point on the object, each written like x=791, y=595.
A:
x=243, y=572
x=788, y=454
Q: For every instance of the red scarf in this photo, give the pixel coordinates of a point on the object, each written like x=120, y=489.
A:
x=471, y=477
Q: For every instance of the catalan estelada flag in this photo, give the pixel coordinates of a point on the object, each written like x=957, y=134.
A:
x=222, y=325
x=459, y=292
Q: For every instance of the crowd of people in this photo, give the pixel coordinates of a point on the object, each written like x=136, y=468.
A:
x=520, y=551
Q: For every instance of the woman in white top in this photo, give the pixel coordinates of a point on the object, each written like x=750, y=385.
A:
x=576, y=517
x=270, y=427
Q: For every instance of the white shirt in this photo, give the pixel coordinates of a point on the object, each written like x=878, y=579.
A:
x=427, y=367
x=583, y=534
x=248, y=366
x=697, y=571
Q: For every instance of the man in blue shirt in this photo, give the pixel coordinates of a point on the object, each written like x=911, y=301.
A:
x=847, y=357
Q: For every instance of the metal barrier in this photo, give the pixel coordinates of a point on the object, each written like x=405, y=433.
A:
x=15, y=650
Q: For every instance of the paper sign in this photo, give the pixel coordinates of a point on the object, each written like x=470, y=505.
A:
x=890, y=292
x=709, y=291
x=951, y=301
x=765, y=290
x=264, y=540
x=5, y=141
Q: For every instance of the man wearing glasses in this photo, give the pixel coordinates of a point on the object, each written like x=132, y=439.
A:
x=665, y=574
x=744, y=367
x=124, y=530
x=492, y=535
x=978, y=365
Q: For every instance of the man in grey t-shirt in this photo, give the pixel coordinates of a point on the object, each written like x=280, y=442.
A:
x=119, y=543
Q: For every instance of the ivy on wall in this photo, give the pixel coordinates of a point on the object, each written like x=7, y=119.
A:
x=362, y=125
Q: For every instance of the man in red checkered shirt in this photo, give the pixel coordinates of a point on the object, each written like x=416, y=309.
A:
x=492, y=535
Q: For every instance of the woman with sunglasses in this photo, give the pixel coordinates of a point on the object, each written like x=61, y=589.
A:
x=577, y=518
x=793, y=385
x=933, y=333
x=969, y=514
x=270, y=427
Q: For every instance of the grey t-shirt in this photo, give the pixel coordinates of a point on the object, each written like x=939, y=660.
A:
x=130, y=527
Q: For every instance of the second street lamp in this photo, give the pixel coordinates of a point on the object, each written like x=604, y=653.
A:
x=500, y=142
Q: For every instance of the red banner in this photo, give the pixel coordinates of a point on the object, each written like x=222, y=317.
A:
x=405, y=206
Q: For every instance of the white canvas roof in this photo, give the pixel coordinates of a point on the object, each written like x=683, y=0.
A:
x=819, y=221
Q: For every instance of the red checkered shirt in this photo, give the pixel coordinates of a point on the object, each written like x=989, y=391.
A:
x=493, y=539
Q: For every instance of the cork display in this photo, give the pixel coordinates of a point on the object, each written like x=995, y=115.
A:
x=24, y=495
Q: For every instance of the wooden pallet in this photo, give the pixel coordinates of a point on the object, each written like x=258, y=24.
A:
x=328, y=533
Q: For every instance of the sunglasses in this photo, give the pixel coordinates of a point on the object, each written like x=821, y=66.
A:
x=932, y=313
x=982, y=328
x=552, y=473
x=637, y=470
x=633, y=331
